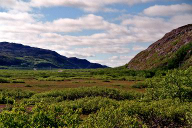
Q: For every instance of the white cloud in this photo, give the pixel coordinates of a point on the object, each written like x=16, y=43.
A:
x=86, y=5
x=150, y=29
x=138, y=48
x=168, y=10
x=91, y=22
x=18, y=5
x=180, y=20
x=114, y=61
x=26, y=22
x=147, y=29
x=104, y=49
x=90, y=51
x=16, y=17
x=71, y=53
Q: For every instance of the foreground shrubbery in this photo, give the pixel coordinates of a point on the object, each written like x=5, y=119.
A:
x=112, y=118
x=77, y=93
x=165, y=103
x=104, y=113
x=163, y=113
x=10, y=95
x=176, y=84
x=40, y=116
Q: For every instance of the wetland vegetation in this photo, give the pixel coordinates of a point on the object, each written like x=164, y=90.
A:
x=100, y=98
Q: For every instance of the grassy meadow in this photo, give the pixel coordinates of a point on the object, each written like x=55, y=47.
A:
x=96, y=98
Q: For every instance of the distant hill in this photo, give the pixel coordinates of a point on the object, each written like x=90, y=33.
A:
x=174, y=50
x=20, y=56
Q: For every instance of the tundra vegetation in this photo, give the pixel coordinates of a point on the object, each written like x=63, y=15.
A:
x=96, y=98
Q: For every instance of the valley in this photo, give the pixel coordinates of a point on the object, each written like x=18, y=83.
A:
x=40, y=88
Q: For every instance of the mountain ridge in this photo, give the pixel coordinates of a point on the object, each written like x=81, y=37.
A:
x=22, y=56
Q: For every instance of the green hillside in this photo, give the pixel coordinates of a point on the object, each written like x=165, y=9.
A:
x=19, y=56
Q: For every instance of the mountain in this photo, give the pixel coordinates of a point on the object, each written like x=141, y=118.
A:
x=20, y=56
x=174, y=50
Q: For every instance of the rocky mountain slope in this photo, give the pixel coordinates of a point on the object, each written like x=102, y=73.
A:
x=18, y=55
x=174, y=50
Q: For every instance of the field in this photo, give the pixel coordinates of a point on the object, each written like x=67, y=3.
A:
x=96, y=98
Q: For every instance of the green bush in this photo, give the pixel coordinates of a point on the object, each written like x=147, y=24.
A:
x=18, y=81
x=28, y=85
x=179, y=56
x=16, y=93
x=106, y=81
x=77, y=93
x=140, y=85
x=90, y=104
x=176, y=84
x=111, y=118
x=41, y=116
x=52, y=78
x=6, y=100
x=163, y=113
x=17, y=118
x=4, y=80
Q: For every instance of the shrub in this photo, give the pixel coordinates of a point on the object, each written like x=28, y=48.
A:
x=106, y=81
x=90, y=104
x=111, y=118
x=6, y=100
x=77, y=93
x=40, y=116
x=16, y=93
x=176, y=84
x=140, y=85
x=4, y=80
x=15, y=118
x=179, y=56
x=28, y=85
x=18, y=81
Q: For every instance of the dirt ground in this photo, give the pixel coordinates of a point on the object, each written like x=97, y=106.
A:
x=41, y=86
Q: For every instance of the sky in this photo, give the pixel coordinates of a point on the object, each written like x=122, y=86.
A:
x=109, y=32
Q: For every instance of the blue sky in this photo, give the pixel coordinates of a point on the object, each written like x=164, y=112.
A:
x=110, y=32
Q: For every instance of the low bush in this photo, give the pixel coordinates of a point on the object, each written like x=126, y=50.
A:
x=90, y=104
x=40, y=116
x=18, y=81
x=176, y=84
x=52, y=79
x=28, y=85
x=77, y=93
x=6, y=100
x=140, y=85
x=163, y=113
x=16, y=93
x=111, y=118
x=4, y=80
